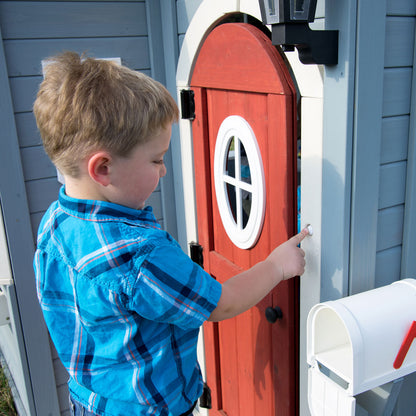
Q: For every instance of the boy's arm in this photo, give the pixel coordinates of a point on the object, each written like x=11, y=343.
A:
x=246, y=289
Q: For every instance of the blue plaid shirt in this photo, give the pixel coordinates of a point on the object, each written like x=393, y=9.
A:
x=123, y=304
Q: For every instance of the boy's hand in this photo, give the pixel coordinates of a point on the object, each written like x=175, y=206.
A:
x=288, y=258
x=246, y=289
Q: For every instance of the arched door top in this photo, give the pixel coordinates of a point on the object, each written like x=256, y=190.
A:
x=260, y=74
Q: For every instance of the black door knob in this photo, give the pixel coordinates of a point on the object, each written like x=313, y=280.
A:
x=273, y=314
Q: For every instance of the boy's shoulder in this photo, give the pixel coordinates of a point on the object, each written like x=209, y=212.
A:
x=91, y=230
x=100, y=246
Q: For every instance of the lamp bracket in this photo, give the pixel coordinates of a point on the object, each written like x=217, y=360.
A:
x=314, y=46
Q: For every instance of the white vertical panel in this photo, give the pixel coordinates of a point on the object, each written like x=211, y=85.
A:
x=5, y=270
x=337, y=151
x=311, y=213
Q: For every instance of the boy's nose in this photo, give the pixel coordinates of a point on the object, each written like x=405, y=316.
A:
x=163, y=171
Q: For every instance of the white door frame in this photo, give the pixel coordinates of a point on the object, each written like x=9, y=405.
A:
x=309, y=79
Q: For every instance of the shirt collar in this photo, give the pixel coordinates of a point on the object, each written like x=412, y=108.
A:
x=100, y=210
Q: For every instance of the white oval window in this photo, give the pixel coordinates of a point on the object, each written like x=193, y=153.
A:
x=239, y=182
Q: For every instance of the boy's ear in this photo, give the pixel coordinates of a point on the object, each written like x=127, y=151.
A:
x=99, y=167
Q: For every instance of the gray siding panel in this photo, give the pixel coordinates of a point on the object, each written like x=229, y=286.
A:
x=35, y=219
x=42, y=193
x=397, y=87
x=24, y=57
x=27, y=130
x=397, y=108
x=36, y=164
x=24, y=90
x=28, y=19
x=390, y=228
x=394, y=139
x=155, y=202
x=392, y=184
x=388, y=266
x=399, y=41
x=409, y=235
x=401, y=7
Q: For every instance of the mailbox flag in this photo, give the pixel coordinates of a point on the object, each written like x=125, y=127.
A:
x=407, y=342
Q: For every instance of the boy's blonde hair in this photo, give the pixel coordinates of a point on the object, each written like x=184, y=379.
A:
x=84, y=105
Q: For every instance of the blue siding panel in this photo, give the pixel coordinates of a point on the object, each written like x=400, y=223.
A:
x=36, y=164
x=24, y=90
x=394, y=139
x=397, y=87
x=396, y=142
x=400, y=39
x=392, y=184
x=24, y=57
x=41, y=194
x=35, y=219
x=401, y=7
x=388, y=266
x=409, y=235
x=27, y=130
x=390, y=228
x=28, y=19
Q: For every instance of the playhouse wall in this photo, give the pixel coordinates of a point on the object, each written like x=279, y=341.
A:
x=383, y=214
x=396, y=213
x=384, y=190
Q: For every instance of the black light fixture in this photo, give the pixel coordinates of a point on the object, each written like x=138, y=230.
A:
x=290, y=20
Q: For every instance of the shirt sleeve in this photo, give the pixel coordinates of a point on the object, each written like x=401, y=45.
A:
x=171, y=288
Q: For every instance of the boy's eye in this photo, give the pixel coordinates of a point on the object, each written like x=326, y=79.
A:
x=159, y=162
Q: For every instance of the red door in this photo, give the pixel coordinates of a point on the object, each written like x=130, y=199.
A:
x=251, y=363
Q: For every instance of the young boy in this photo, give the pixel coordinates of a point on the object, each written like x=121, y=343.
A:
x=122, y=302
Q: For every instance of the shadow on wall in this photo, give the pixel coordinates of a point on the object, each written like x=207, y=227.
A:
x=334, y=244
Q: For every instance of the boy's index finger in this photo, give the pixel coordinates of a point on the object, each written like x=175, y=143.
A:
x=304, y=233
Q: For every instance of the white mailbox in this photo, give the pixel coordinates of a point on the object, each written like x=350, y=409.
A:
x=358, y=343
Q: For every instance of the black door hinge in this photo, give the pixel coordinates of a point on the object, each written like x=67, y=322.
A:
x=188, y=104
x=196, y=253
x=205, y=399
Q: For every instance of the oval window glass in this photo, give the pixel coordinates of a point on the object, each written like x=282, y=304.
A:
x=239, y=181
